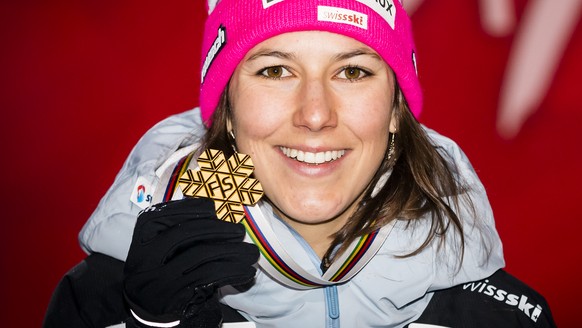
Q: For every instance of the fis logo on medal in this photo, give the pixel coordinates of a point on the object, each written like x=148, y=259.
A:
x=227, y=182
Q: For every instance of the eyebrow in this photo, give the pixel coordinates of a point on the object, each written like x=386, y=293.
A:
x=338, y=57
x=355, y=53
x=272, y=53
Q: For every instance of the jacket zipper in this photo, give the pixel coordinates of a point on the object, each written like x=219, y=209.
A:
x=332, y=307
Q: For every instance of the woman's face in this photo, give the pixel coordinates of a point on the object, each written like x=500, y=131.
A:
x=313, y=110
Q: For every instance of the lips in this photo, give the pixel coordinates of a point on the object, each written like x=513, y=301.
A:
x=312, y=158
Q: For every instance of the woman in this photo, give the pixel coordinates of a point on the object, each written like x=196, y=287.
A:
x=368, y=217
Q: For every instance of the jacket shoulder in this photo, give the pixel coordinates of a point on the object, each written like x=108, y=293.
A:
x=110, y=227
x=500, y=300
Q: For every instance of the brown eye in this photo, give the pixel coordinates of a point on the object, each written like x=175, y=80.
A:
x=353, y=73
x=275, y=72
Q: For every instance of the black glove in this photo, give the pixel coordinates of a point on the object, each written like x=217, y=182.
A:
x=179, y=255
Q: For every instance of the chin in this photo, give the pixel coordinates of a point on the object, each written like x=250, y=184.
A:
x=313, y=216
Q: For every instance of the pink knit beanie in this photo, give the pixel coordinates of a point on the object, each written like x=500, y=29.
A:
x=234, y=27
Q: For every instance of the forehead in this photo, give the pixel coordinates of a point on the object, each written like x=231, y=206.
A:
x=311, y=43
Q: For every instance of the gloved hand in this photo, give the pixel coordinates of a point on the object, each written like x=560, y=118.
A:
x=179, y=255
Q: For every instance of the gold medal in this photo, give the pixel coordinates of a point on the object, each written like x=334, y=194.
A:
x=228, y=183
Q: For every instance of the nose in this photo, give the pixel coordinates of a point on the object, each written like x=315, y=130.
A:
x=315, y=110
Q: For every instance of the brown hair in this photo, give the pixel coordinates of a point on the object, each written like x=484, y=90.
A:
x=421, y=182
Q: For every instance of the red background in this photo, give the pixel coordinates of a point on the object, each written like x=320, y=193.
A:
x=80, y=81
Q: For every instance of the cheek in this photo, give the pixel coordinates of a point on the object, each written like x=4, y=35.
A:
x=254, y=113
x=256, y=119
x=368, y=117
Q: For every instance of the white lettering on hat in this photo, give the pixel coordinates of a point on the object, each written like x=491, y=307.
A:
x=268, y=3
x=218, y=44
x=414, y=62
x=384, y=8
x=341, y=15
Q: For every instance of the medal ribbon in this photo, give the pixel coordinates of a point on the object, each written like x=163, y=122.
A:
x=179, y=169
x=279, y=264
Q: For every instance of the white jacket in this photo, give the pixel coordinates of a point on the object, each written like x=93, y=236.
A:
x=387, y=292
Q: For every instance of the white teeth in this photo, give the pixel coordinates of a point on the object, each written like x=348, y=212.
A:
x=312, y=158
x=328, y=156
x=300, y=156
x=319, y=158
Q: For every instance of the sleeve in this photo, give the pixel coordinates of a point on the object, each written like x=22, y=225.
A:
x=110, y=227
x=500, y=300
x=89, y=295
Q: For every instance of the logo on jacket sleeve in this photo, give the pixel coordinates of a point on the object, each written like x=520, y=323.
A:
x=142, y=192
x=519, y=301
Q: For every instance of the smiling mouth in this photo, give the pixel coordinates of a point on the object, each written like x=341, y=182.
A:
x=313, y=158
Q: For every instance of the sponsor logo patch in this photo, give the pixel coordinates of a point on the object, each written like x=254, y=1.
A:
x=218, y=44
x=142, y=193
x=343, y=16
x=384, y=8
x=520, y=301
